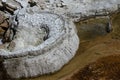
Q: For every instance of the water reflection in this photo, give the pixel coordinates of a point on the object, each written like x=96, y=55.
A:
x=92, y=28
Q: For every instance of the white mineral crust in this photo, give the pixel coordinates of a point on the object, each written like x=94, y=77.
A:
x=29, y=58
x=76, y=9
x=47, y=57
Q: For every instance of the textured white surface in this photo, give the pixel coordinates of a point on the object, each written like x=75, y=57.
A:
x=48, y=56
x=76, y=9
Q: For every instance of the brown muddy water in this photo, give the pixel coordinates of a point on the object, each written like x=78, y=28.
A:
x=95, y=43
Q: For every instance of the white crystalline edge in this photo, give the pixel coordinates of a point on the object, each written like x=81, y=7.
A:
x=51, y=61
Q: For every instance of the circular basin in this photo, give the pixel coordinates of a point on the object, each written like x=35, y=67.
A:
x=34, y=55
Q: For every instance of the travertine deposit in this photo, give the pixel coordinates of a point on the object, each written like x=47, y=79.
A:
x=41, y=36
x=79, y=9
x=42, y=44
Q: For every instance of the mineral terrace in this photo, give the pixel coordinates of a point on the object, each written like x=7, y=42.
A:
x=39, y=36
